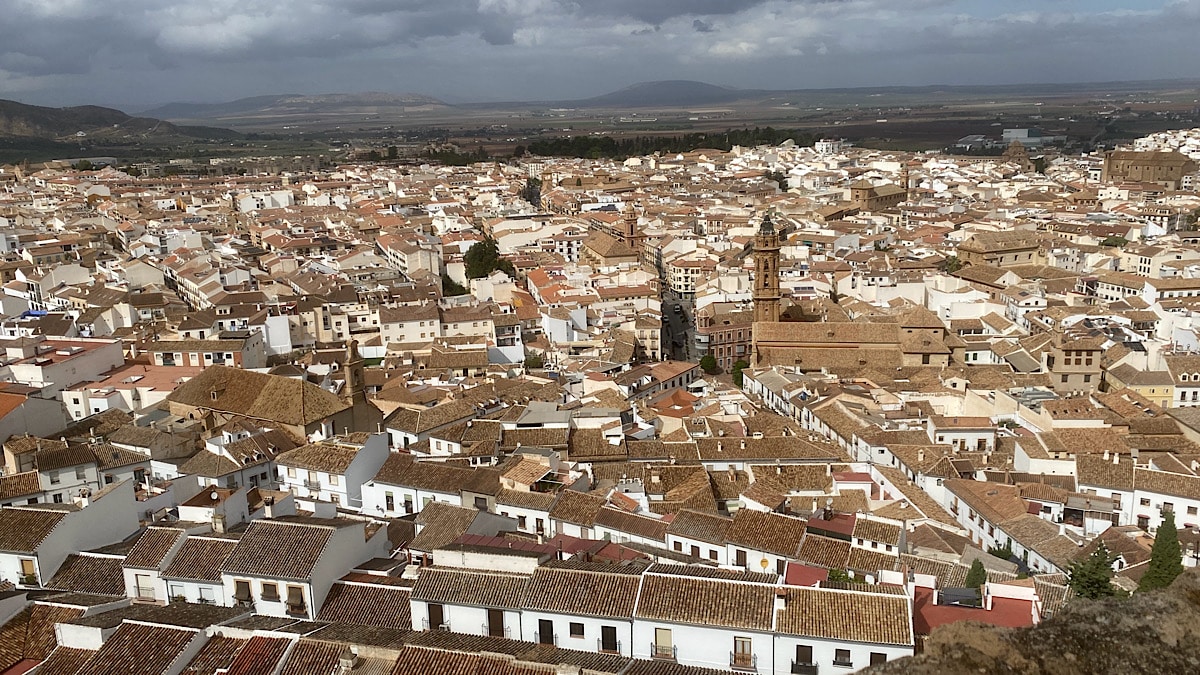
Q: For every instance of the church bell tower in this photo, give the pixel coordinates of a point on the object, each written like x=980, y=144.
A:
x=766, y=272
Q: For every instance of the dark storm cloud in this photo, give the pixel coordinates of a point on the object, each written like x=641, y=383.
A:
x=79, y=51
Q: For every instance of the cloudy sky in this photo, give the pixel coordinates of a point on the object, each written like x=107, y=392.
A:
x=137, y=53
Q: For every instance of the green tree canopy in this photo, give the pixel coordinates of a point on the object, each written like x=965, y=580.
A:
x=1115, y=241
x=977, y=575
x=708, y=363
x=1091, y=577
x=483, y=258
x=951, y=265
x=451, y=287
x=1166, y=558
x=738, y=367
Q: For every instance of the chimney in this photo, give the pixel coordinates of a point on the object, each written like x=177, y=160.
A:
x=347, y=660
x=218, y=522
x=828, y=469
x=732, y=475
x=781, y=599
x=1106, y=454
x=743, y=444
x=1116, y=458
x=920, y=456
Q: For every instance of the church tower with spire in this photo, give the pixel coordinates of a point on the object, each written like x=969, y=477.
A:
x=766, y=272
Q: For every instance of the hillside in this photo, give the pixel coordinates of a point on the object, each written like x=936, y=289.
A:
x=22, y=121
x=1147, y=633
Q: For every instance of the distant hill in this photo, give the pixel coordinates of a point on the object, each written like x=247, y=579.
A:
x=667, y=93
x=19, y=120
x=297, y=105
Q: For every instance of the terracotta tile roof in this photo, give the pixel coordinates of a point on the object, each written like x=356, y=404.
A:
x=23, y=530
x=31, y=634
x=67, y=661
x=89, y=574
x=870, y=562
x=874, y=530
x=846, y=615
x=259, y=656
x=769, y=532
x=402, y=470
x=22, y=484
x=1095, y=471
x=332, y=458
x=154, y=545
x=577, y=508
x=200, y=559
x=441, y=524
x=1167, y=483
x=538, y=501
x=584, y=591
x=824, y=551
x=367, y=605
x=470, y=587
x=706, y=527
x=279, y=549
x=214, y=656
x=707, y=602
x=258, y=396
x=139, y=649
x=630, y=523
x=309, y=657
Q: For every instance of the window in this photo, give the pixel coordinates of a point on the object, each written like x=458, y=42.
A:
x=333, y=479
x=841, y=657
x=1144, y=501
x=878, y=658
x=481, y=503
x=804, y=656
x=389, y=501
x=241, y=590
x=743, y=655
x=291, y=472
x=295, y=600
x=1191, y=510
x=54, y=479
x=576, y=630
x=270, y=592
x=1168, y=506
x=80, y=473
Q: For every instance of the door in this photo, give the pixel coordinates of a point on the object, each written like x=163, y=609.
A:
x=740, y=558
x=662, y=648
x=145, y=587
x=436, y=618
x=743, y=655
x=608, y=639
x=495, y=622
x=545, y=632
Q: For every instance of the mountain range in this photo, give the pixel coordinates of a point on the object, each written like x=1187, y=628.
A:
x=20, y=120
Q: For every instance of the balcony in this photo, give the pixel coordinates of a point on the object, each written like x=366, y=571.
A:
x=742, y=661
x=297, y=609
x=441, y=626
x=611, y=648
x=799, y=668
x=667, y=652
x=312, y=484
x=545, y=639
x=29, y=579
x=487, y=630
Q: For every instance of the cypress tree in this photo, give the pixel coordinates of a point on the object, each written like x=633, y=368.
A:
x=1166, y=559
x=977, y=575
x=1091, y=577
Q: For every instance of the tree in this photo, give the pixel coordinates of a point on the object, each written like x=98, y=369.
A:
x=1166, y=559
x=1091, y=577
x=393, y=152
x=738, y=367
x=483, y=258
x=951, y=265
x=708, y=363
x=1115, y=241
x=977, y=575
x=83, y=165
x=841, y=576
x=534, y=361
x=451, y=287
